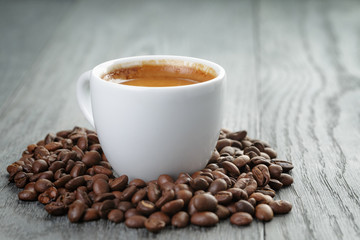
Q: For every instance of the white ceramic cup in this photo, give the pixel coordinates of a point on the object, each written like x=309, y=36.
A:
x=148, y=131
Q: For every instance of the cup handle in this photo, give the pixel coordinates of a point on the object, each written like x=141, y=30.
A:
x=83, y=96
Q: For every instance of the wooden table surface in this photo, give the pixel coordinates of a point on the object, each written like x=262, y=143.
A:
x=293, y=80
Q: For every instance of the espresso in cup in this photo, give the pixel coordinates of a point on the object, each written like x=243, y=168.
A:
x=163, y=75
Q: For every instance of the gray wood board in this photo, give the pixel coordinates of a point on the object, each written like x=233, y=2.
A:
x=293, y=80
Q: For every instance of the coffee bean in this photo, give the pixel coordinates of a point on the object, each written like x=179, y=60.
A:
x=161, y=216
x=244, y=206
x=185, y=195
x=220, y=175
x=146, y=207
x=173, y=206
x=100, y=175
x=222, y=212
x=105, y=207
x=183, y=180
x=135, y=221
x=53, y=146
x=76, y=211
x=280, y=206
x=119, y=184
x=214, y=157
x=252, y=149
x=56, y=166
x=128, y=193
x=100, y=186
x=82, y=143
x=27, y=195
x=78, y=170
x=227, y=151
x=246, y=183
x=275, y=184
x=263, y=212
x=67, y=198
x=180, y=219
x=139, y=183
x=204, y=219
x=241, y=161
x=222, y=143
x=91, y=214
x=139, y=195
x=69, y=165
x=166, y=197
x=241, y=219
x=205, y=202
x=199, y=183
x=48, y=196
x=39, y=165
x=238, y=194
x=83, y=197
x=217, y=185
x=259, y=160
x=167, y=186
x=223, y=197
x=75, y=183
x=132, y=212
x=103, y=170
x=261, y=198
x=56, y=208
x=286, y=166
x=271, y=152
x=266, y=190
x=286, y=179
x=124, y=205
x=164, y=178
x=261, y=174
x=239, y=136
x=30, y=186
x=41, y=152
x=154, y=225
x=21, y=179
x=42, y=184
x=154, y=192
x=116, y=216
x=275, y=171
x=62, y=181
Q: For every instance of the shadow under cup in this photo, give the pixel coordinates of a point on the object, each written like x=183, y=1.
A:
x=149, y=131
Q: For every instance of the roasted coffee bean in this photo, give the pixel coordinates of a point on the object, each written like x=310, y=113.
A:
x=239, y=136
x=105, y=196
x=62, y=181
x=78, y=170
x=227, y=151
x=161, y=216
x=78, y=151
x=223, y=197
x=205, y=202
x=231, y=168
x=244, y=206
x=56, y=166
x=21, y=179
x=39, y=165
x=173, y=206
x=75, y=183
x=222, y=143
x=67, y=143
x=154, y=225
x=166, y=197
x=286, y=179
x=116, y=216
x=183, y=180
x=56, y=208
x=253, y=149
x=247, y=183
x=53, y=146
x=30, y=186
x=48, y=196
x=103, y=170
x=27, y=195
x=182, y=186
x=238, y=194
x=185, y=195
x=164, y=178
x=217, y=185
x=275, y=184
x=49, y=175
x=241, y=219
x=82, y=143
x=69, y=165
x=132, y=212
x=204, y=219
x=236, y=144
x=41, y=152
x=119, y=184
x=91, y=214
x=232, y=208
x=167, y=186
x=199, y=183
x=252, y=201
x=139, y=183
x=76, y=211
x=95, y=147
x=280, y=206
x=59, y=173
x=146, y=207
x=261, y=174
x=241, y=161
x=100, y=186
x=214, y=157
x=222, y=212
x=286, y=166
x=128, y=193
x=42, y=184
x=67, y=198
x=105, y=207
x=135, y=221
x=275, y=171
x=180, y=219
x=266, y=190
x=259, y=160
x=212, y=166
x=271, y=152
x=124, y=205
x=100, y=175
x=138, y=196
x=261, y=198
x=153, y=192
x=263, y=212
x=218, y=174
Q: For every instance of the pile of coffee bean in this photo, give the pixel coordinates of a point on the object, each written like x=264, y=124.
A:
x=69, y=173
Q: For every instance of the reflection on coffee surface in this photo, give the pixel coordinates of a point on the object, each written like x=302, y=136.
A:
x=164, y=75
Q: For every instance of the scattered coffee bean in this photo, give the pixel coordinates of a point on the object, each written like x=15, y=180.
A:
x=69, y=173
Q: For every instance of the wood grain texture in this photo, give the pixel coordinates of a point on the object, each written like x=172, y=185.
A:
x=293, y=80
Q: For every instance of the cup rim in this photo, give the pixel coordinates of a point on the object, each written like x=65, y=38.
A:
x=100, y=68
